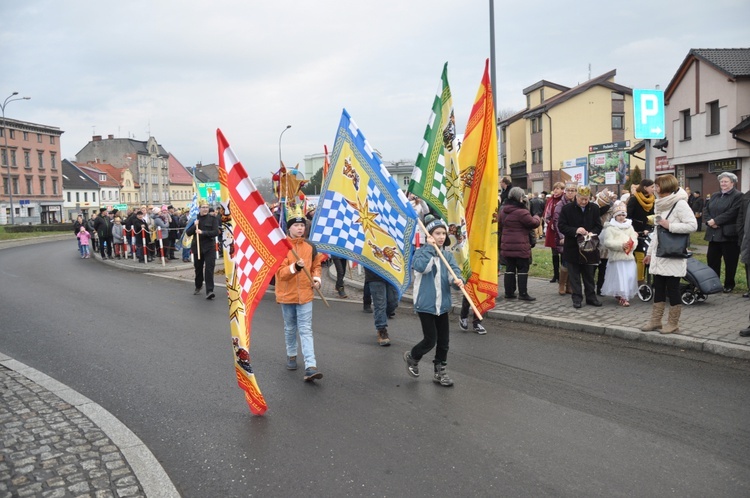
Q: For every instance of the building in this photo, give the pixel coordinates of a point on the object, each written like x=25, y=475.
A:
x=147, y=161
x=563, y=131
x=30, y=155
x=109, y=184
x=80, y=192
x=707, y=112
x=180, y=184
x=208, y=173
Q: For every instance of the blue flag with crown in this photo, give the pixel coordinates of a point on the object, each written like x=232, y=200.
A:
x=362, y=214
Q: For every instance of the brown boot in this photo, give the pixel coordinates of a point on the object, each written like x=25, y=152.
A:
x=563, y=282
x=673, y=321
x=657, y=311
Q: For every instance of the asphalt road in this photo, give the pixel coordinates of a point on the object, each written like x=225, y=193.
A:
x=533, y=413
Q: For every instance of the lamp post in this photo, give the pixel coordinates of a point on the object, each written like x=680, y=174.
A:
x=7, y=101
x=281, y=135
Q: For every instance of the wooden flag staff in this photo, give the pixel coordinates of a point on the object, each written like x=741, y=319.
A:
x=450, y=270
x=307, y=272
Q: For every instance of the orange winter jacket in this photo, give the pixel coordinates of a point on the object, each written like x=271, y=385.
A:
x=292, y=286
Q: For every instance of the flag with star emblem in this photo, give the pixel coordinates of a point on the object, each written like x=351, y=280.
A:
x=254, y=247
x=478, y=159
x=436, y=177
x=362, y=214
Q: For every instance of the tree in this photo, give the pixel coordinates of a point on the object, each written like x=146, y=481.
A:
x=634, y=178
x=315, y=184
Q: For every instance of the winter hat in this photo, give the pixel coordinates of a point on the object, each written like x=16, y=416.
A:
x=432, y=223
x=164, y=207
x=619, y=208
x=155, y=211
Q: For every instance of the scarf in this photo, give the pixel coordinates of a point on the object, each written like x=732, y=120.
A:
x=646, y=201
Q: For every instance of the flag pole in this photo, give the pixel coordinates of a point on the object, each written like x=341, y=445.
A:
x=450, y=270
x=307, y=272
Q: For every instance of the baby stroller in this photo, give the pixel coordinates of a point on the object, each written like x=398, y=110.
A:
x=701, y=281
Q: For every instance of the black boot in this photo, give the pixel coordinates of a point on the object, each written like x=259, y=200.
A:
x=523, y=289
x=555, y=267
x=510, y=285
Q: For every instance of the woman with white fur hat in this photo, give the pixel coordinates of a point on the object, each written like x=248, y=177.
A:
x=620, y=239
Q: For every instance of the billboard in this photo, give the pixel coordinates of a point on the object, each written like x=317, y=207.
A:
x=608, y=168
x=210, y=192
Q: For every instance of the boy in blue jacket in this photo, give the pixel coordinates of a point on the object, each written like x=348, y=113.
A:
x=432, y=302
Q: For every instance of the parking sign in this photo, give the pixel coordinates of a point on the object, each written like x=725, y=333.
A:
x=648, y=111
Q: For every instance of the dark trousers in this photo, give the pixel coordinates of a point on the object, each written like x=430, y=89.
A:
x=666, y=287
x=601, y=270
x=465, y=309
x=730, y=251
x=204, y=269
x=699, y=219
x=105, y=244
x=367, y=295
x=515, y=266
x=340, y=265
x=555, y=265
x=575, y=272
x=435, y=329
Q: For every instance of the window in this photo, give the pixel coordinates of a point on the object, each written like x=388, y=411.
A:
x=54, y=186
x=85, y=197
x=15, y=186
x=102, y=177
x=53, y=160
x=27, y=159
x=712, y=115
x=5, y=157
x=617, y=120
x=406, y=180
x=687, y=128
x=5, y=186
x=540, y=122
x=42, y=185
x=68, y=193
x=52, y=139
x=93, y=196
x=39, y=137
x=541, y=94
x=29, y=186
x=78, y=197
x=533, y=126
x=533, y=156
x=40, y=155
x=503, y=134
x=128, y=196
x=12, y=134
x=25, y=136
x=13, y=162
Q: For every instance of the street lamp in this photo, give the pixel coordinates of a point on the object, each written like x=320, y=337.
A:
x=7, y=101
x=281, y=164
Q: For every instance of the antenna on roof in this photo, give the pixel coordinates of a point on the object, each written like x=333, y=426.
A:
x=589, y=70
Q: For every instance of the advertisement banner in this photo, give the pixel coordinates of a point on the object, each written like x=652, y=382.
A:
x=601, y=163
x=575, y=174
x=210, y=192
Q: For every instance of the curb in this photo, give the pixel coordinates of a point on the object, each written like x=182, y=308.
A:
x=147, y=469
x=628, y=333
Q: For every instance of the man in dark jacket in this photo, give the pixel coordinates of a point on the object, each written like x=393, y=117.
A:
x=580, y=218
x=697, y=207
x=205, y=229
x=103, y=227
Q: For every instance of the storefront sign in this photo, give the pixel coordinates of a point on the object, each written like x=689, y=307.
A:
x=723, y=165
x=662, y=164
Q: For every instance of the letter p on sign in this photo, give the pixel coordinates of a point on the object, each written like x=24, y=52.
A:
x=648, y=110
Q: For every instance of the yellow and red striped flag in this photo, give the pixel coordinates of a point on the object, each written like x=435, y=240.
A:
x=478, y=161
x=254, y=247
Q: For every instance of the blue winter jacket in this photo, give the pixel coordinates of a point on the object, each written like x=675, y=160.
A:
x=432, y=281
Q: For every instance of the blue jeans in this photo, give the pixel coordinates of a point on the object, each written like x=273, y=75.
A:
x=384, y=302
x=186, y=252
x=298, y=318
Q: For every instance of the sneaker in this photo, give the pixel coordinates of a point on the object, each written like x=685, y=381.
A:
x=342, y=293
x=367, y=308
x=312, y=374
x=412, y=366
x=441, y=377
x=463, y=324
x=197, y=289
x=210, y=295
x=291, y=363
x=383, y=338
x=479, y=329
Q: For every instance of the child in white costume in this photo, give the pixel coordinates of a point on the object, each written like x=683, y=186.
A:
x=620, y=278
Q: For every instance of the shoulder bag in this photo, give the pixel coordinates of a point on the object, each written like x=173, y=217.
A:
x=671, y=245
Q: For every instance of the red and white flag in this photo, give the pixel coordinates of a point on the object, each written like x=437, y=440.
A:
x=254, y=247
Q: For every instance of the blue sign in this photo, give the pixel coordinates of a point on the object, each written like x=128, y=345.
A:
x=648, y=113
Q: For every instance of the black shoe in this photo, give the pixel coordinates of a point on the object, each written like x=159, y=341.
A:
x=526, y=297
x=727, y=290
x=745, y=332
x=554, y=280
x=594, y=302
x=576, y=305
x=392, y=315
x=510, y=296
x=197, y=290
x=366, y=308
x=210, y=295
x=746, y=294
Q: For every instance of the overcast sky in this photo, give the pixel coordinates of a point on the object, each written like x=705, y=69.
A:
x=180, y=69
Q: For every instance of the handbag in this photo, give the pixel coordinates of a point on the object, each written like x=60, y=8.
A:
x=671, y=245
x=588, y=249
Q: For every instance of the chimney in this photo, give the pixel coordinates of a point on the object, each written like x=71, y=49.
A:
x=110, y=137
x=97, y=138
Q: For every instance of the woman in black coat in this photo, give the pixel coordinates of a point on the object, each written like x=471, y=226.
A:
x=720, y=215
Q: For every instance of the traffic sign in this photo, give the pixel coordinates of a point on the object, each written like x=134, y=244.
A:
x=648, y=111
